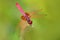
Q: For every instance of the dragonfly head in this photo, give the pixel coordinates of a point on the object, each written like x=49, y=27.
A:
x=29, y=21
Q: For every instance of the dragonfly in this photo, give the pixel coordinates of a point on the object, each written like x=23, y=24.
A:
x=26, y=17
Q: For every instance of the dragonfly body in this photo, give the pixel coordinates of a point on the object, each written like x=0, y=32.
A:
x=28, y=20
x=25, y=16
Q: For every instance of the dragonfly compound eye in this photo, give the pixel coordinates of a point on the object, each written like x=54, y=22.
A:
x=30, y=22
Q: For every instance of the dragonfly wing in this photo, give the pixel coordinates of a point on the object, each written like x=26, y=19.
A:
x=23, y=25
x=34, y=12
x=38, y=16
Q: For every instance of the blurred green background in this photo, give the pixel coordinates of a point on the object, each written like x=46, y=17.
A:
x=45, y=28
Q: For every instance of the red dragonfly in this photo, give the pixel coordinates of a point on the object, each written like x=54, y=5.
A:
x=26, y=16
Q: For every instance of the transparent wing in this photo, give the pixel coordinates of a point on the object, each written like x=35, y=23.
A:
x=37, y=14
x=33, y=12
x=23, y=25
